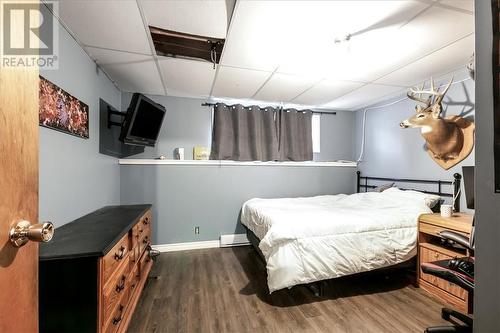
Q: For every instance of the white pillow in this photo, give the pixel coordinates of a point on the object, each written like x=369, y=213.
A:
x=430, y=199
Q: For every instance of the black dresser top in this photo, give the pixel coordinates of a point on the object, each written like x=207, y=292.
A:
x=94, y=234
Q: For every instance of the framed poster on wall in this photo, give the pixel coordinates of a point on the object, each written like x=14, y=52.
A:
x=61, y=111
x=495, y=10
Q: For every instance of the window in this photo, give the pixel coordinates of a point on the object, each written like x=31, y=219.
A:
x=316, y=132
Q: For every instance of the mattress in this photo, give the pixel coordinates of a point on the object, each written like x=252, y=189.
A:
x=316, y=238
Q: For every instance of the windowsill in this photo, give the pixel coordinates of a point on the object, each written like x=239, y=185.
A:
x=131, y=161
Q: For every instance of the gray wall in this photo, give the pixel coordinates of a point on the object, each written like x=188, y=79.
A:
x=188, y=124
x=74, y=178
x=395, y=152
x=487, y=269
x=211, y=197
x=338, y=139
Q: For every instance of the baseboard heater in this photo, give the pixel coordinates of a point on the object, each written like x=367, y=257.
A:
x=234, y=240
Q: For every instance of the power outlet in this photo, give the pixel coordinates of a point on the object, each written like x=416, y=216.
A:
x=196, y=230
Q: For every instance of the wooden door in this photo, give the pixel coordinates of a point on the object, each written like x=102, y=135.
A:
x=18, y=197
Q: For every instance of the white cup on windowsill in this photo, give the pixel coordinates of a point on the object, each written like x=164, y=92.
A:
x=446, y=210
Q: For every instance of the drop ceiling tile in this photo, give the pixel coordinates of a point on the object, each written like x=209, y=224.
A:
x=198, y=17
x=441, y=62
x=460, y=4
x=132, y=72
x=295, y=36
x=383, y=47
x=299, y=35
x=238, y=83
x=187, y=78
x=368, y=94
x=326, y=91
x=284, y=87
x=108, y=24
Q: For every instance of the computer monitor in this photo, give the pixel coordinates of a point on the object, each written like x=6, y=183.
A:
x=468, y=173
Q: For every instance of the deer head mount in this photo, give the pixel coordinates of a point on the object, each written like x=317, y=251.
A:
x=448, y=140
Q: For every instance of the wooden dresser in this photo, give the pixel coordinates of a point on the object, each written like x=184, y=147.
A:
x=94, y=269
x=431, y=249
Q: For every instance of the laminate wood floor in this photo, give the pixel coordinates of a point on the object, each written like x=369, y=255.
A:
x=225, y=290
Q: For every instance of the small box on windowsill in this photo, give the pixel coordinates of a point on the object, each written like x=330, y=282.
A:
x=201, y=153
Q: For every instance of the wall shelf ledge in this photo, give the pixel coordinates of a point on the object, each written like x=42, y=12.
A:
x=135, y=161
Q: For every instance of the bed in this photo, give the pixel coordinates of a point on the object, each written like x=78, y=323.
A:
x=304, y=240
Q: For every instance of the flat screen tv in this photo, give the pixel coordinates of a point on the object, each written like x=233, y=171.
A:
x=142, y=122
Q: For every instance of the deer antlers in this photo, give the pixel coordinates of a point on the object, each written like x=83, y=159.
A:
x=435, y=96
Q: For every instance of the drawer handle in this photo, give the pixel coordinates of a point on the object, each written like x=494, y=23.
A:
x=119, y=256
x=145, y=221
x=117, y=320
x=145, y=240
x=121, y=285
x=141, y=231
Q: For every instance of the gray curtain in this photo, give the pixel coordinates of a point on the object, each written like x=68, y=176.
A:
x=295, y=131
x=244, y=133
x=254, y=134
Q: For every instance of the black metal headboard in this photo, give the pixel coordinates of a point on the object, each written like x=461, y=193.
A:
x=362, y=183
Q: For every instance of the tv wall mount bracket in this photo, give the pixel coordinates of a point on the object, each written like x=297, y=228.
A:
x=111, y=113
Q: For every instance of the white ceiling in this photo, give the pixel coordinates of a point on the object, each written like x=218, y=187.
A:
x=279, y=51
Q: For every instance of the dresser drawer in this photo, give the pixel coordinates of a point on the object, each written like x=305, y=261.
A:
x=430, y=229
x=145, y=265
x=144, y=237
x=146, y=219
x=144, y=225
x=434, y=230
x=134, y=253
x=134, y=257
x=116, y=317
x=145, y=241
x=114, y=288
x=134, y=279
x=135, y=236
x=115, y=257
x=429, y=255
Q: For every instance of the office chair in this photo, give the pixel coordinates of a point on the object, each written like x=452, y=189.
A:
x=459, y=271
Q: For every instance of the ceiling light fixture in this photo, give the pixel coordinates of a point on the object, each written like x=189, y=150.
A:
x=346, y=38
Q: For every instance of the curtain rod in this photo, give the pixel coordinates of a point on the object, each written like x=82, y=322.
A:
x=312, y=110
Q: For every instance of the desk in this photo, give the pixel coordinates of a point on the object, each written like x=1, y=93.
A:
x=431, y=249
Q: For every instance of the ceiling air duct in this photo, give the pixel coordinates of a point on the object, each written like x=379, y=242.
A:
x=178, y=44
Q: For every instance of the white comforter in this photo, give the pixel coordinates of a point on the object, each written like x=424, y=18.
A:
x=311, y=239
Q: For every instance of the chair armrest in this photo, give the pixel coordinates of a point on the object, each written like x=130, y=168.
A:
x=441, y=269
x=456, y=237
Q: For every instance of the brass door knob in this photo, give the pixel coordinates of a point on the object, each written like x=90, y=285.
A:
x=23, y=231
